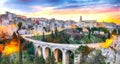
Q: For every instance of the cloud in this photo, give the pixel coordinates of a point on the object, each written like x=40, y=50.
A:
x=3, y=10
x=2, y=2
x=90, y=4
x=25, y=5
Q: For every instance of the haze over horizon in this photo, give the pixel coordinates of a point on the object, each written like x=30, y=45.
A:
x=100, y=10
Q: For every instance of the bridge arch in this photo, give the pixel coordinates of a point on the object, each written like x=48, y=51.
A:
x=61, y=48
x=39, y=51
x=57, y=55
x=47, y=52
x=69, y=57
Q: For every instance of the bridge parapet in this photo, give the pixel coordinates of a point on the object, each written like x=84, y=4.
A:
x=53, y=46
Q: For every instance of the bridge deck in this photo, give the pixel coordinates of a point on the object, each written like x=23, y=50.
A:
x=70, y=46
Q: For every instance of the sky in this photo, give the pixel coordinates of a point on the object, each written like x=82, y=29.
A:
x=100, y=10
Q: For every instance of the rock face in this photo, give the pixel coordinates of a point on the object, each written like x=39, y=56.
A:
x=94, y=57
x=109, y=55
x=86, y=55
x=117, y=58
x=112, y=53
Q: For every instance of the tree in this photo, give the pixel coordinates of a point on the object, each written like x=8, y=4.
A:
x=66, y=38
x=0, y=56
x=114, y=32
x=45, y=29
x=93, y=29
x=53, y=58
x=108, y=35
x=50, y=59
x=30, y=50
x=19, y=25
x=39, y=60
x=81, y=49
x=43, y=37
x=20, y=50
x=105, y=30
x=79, y=29
x=118, y=31
x=5, y=60
x=99, y=29
x=56, y=31
x=71, y=57
x=52, y=35
x=89, y=30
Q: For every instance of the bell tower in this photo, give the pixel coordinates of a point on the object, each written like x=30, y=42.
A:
x=80, y=19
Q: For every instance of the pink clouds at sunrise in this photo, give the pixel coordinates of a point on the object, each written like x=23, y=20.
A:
x=100, y=14
x=100, y=10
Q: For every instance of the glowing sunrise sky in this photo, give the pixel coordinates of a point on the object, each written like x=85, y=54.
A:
x=100, y=10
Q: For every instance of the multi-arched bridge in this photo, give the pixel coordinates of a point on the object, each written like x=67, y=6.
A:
x=44, y=48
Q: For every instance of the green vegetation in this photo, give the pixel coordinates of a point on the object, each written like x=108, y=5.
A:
x=50, y=59
x=39, y=60
x=37, y=37
x=59, y=63
x=30, y=50
x=93, y=39
x=28, y=57
x=71, y=57
x=14, y=59
x=74, y=36
x=81, y=49
x=55, y=37
x=114, y=32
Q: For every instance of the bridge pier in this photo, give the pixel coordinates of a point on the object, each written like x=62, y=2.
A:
x=62, y=47
x=64, y=57
x=77, y=58
x=43, y=52
x=41, y=49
